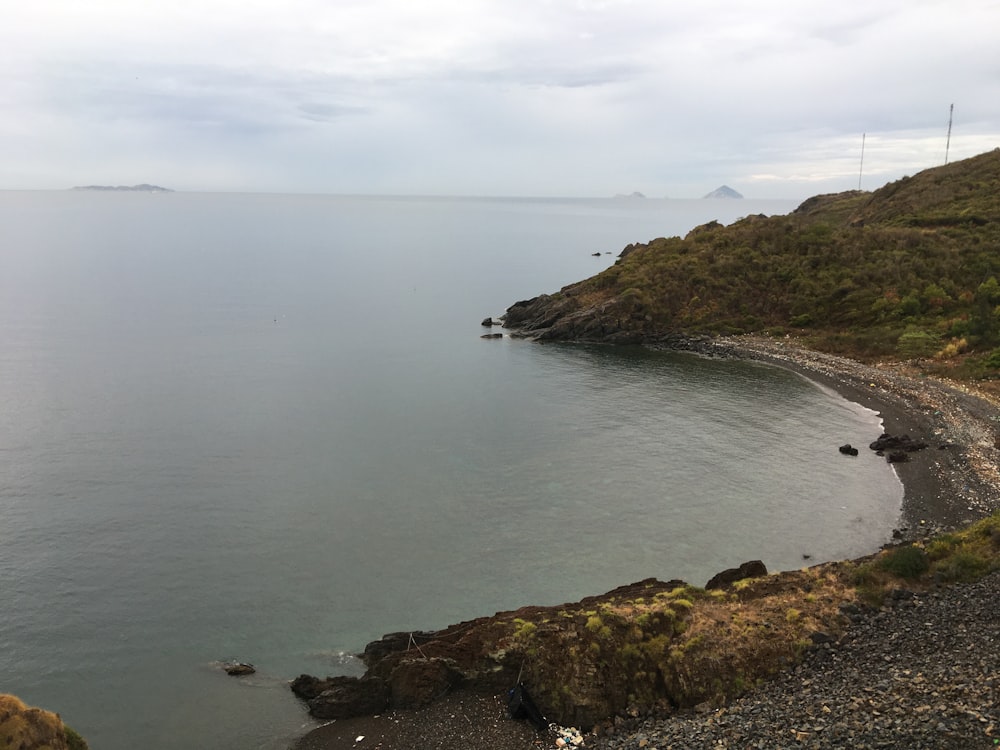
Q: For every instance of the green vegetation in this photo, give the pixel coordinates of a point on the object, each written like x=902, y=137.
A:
x=73, y=740
x=907, y=562
x=910, y=270
x=685, y=646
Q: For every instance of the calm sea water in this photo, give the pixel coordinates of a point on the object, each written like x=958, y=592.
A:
x=265, y=428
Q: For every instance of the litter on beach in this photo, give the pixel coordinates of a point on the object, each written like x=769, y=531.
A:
x=568, y=736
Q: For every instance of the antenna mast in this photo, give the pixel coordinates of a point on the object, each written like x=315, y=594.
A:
x=951, y=111
x=862, y=167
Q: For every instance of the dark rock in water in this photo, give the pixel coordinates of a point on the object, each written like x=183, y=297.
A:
x=492, y=336
x=596, y=255
x=487, y=323
x=412, y=682
x=342, y=697
x=848, y=450
x=889, y=442
x=307, y=687
x=752, y=569
x=238, y=668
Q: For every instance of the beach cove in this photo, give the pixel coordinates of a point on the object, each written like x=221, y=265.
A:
x=948, y=485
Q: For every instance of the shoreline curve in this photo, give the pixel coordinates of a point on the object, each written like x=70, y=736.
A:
x=949, y=485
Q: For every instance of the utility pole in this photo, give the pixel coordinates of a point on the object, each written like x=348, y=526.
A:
x=862, y=167
x=951, y=112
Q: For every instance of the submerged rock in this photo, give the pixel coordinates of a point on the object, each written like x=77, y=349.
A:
x=238, y=668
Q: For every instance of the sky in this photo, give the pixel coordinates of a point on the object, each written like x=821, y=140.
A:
x=574, y=98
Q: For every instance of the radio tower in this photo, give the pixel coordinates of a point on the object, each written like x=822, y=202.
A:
x=951, y=111
x=861, y=168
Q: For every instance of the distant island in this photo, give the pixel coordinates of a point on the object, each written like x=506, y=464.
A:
x=724, y=192
x=144, y=188
x=636, y=194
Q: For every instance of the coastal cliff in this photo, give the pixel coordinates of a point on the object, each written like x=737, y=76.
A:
x=908, y=271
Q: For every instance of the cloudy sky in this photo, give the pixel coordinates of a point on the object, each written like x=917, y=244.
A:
x=484, y=97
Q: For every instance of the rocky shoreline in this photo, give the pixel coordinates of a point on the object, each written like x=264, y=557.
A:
x=949, y=485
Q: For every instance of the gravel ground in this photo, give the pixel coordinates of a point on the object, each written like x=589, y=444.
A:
x=463, y=720
x=923, y=673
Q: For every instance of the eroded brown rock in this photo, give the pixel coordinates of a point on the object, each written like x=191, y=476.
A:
x=26, y=728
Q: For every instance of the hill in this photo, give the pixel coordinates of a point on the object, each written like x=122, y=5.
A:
x=724, y=191
x=909, y=270
x=143, y=188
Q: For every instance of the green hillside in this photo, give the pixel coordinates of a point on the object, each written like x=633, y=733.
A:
x=910, y=270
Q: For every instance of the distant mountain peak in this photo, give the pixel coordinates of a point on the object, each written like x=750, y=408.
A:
x=143, y=188
x=724, y=192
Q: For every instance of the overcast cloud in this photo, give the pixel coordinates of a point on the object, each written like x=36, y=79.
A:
x=513, y=97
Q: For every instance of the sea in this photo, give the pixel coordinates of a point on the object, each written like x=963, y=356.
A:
x=267, y=428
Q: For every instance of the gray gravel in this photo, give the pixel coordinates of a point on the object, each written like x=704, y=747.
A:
x=922, y=673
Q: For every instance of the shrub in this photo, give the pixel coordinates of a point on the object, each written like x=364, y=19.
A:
x=993, y=360
x=953, y=349
x=802, y=321
x=906, y=562
x=941, y=547
x=917, y=343
x=964, y=565
x=73, y=740
x=524, y=629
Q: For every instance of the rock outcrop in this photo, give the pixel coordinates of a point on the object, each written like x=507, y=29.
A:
x=26, y=728
x=647, y=644
x=563, y=317
x=725, y=579
x=238, y=668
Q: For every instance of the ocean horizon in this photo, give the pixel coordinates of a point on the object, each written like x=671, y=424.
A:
x=265, y=428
